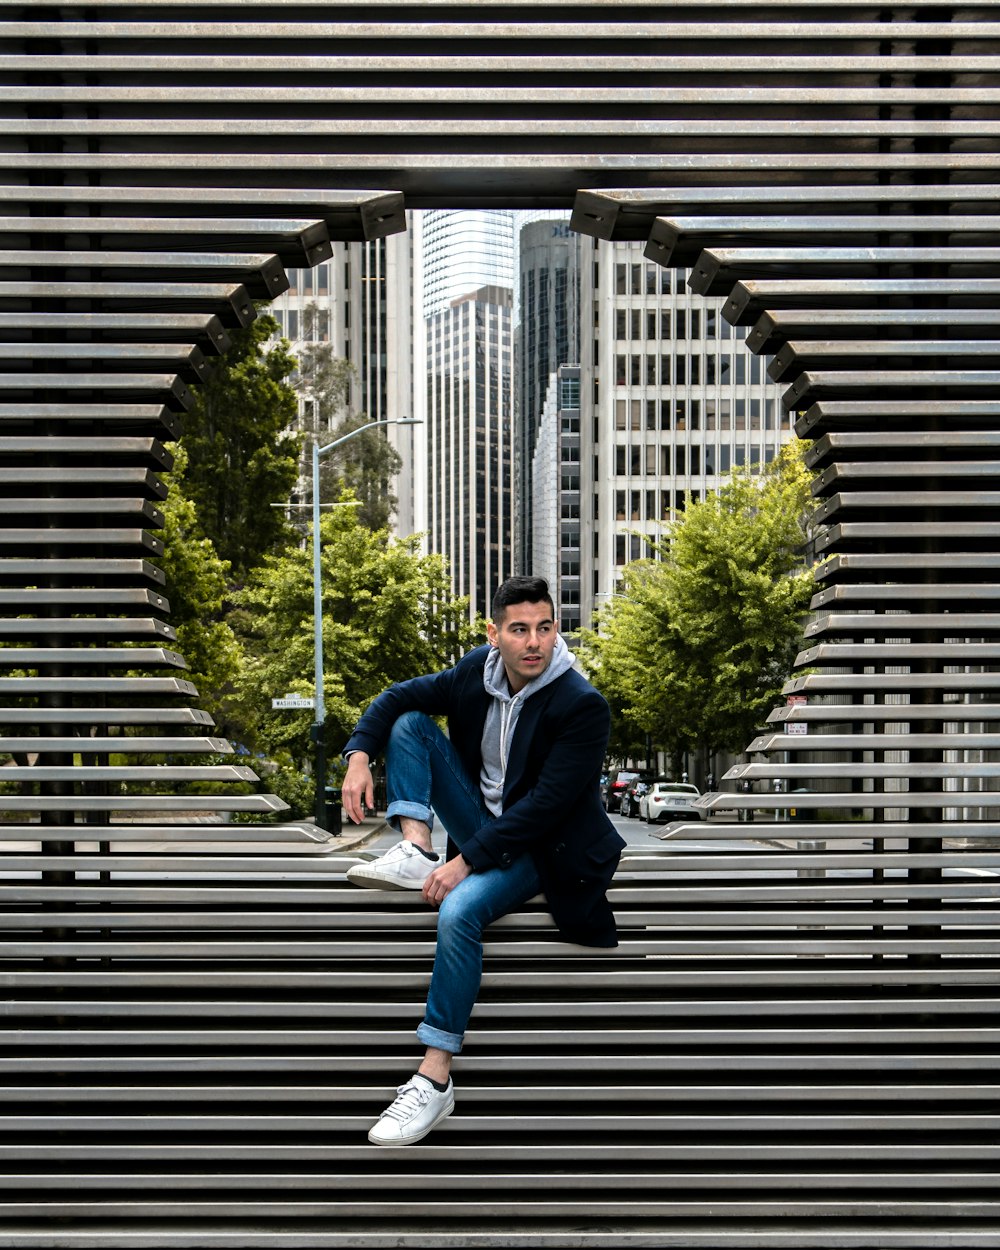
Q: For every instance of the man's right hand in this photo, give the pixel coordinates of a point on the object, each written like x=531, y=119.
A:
x=358, y=790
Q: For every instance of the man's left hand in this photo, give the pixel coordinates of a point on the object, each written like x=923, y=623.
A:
x=443, y=880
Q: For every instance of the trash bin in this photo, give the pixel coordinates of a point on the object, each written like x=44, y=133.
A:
x=334, y=812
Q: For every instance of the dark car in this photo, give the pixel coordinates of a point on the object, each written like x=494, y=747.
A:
x=632, y=797
x=619, y=781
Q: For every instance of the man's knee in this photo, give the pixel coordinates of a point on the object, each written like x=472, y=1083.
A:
x=409, y=725
x=458, y=914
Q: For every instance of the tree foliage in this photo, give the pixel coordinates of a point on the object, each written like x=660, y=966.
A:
x=196, y=587
x=241, y=456
x=695, y=650
x=388, y=615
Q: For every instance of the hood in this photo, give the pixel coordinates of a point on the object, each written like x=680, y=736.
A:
x=495, y=675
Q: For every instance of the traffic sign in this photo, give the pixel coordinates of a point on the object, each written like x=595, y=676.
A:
x=293, y=701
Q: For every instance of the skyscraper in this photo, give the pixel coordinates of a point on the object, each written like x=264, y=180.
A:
x=547, y=336
x=466, y=361
x=469, y=438
x=633, y=396
x=462, y=251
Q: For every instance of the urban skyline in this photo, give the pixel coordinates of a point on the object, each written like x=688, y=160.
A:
x=607, y=396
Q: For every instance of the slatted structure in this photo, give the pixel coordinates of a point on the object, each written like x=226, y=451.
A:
x=796, y=1043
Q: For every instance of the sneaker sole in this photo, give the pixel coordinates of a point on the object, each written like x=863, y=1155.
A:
x=409, y=1141
x=371, y=879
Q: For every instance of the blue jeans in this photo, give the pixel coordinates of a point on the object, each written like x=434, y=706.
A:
x=424, y=777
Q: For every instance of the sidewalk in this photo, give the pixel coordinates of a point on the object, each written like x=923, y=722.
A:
x=353, y=837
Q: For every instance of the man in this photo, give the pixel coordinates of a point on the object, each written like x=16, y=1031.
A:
x=516, y=786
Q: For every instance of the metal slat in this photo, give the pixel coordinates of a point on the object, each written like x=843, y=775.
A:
x=229, y=302
x=679, y=241
x=261, y=274
x=349, y=215
x=302, y=243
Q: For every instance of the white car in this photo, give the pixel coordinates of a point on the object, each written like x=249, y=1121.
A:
x=670, y=800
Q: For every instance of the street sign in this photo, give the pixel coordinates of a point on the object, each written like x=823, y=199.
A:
x=293, y=701
x=796, y=727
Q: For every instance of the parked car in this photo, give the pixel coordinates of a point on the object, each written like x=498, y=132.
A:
x=630, y=800
x=670, y=800
x=619, y=781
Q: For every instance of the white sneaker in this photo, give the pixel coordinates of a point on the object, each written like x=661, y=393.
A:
x=418, y=1108
x=403, y=867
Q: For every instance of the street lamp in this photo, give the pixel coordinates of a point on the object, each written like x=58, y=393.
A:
x=319, y=718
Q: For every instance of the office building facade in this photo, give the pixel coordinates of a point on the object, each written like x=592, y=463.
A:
x=651, y=399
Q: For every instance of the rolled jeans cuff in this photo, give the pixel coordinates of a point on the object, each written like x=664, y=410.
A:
x=438, y=1038
x=416, y=811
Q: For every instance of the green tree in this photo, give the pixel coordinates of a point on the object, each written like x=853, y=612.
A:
x=196, y=587
x=388, y=615
x=241, y=456
x=696, y=649
x=368, y=463
x=627, y=656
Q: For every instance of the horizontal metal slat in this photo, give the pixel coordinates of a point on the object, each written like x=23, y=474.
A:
x=140, y=802
x=549, y=1007
x=229, y=301
x=679, y=241
x=85, y=627
x=454, y=1212
x=197, y=28
x=736, y=917
x=489, y=1062
x=349, y=215
x=718, y=269
x=646, y=1093
x=261, y=274
x=628, y=213
x=808, y=942
x=629, y=1179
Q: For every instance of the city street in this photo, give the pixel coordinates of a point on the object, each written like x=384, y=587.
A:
x=638, y=835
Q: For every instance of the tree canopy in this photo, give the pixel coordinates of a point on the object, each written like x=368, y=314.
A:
x=388, y=615
x=695, y=649
x=241, y=455
x=196, y=587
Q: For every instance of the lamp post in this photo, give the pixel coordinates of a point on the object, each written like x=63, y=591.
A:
x=319, y=717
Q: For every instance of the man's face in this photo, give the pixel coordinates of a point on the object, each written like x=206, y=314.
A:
x=525, y=638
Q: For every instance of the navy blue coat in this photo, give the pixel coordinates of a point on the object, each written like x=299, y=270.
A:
x=551, y=801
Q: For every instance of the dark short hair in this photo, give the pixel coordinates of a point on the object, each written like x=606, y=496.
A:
x=520, y=590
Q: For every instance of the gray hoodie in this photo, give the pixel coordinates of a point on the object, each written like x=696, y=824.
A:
x=501, y=719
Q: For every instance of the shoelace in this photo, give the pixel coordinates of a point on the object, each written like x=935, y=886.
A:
x=409, y=1099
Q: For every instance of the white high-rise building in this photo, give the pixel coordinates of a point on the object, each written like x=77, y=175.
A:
x=463, y=250
x=465, y=399
x=469, y=433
